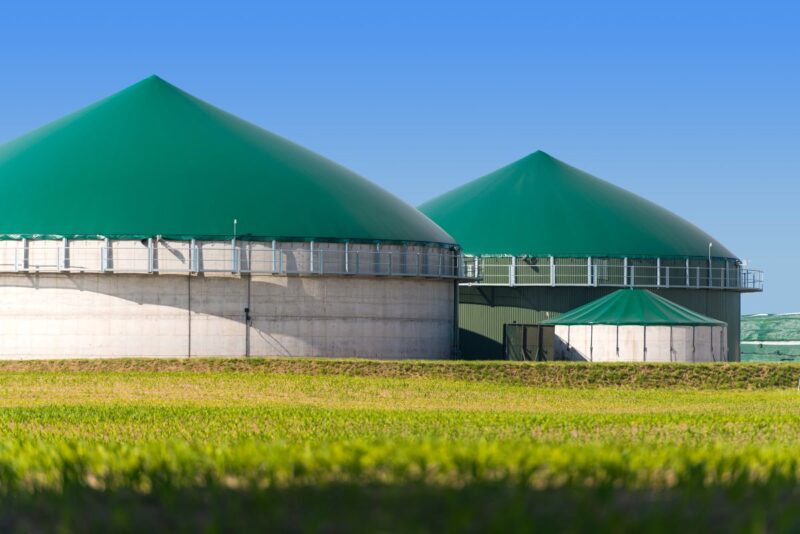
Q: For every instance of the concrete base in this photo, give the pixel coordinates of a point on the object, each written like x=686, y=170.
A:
x=608, y=343
x=115, y=315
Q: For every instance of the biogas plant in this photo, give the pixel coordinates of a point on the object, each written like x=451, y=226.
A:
x=542, y=238
x=154, y=224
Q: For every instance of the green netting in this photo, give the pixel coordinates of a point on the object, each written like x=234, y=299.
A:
x=770, y=327
x=633, y=307
x=768, y=337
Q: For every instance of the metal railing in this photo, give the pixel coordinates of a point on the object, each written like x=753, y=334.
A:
x=617, y=272
x=179, y=257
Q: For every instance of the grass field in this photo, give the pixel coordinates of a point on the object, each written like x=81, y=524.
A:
x=343, y=446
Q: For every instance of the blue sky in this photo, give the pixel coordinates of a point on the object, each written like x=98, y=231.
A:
x=695, y=105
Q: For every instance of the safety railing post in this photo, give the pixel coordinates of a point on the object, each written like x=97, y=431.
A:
x=625, y=271
x=688, y=282
x=589, y=271
x=62, y=260
x=658, y=272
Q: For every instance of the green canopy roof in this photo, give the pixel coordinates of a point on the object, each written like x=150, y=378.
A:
x=633, y=307
x=153, y=160
x=540, y=206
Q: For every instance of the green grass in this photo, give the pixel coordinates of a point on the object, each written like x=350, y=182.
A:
x=340, y=446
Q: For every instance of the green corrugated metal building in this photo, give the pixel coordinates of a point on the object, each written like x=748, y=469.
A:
x=544, y=237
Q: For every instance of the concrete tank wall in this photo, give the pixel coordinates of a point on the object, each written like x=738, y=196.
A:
x=119, y=315
x=608, y=343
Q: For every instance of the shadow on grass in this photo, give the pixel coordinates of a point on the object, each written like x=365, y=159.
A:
x=412, y=508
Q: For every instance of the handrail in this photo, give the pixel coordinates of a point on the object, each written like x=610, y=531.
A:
x=187, y=258
x=597, y=272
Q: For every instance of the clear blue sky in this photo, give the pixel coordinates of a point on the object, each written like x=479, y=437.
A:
x=695, y=105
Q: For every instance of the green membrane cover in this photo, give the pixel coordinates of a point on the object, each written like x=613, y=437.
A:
x=540, y=206
x=154, y=160
x=633, y=307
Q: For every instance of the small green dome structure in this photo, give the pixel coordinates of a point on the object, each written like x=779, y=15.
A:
x=638, y=325
x=543, y=238
x=627, y=307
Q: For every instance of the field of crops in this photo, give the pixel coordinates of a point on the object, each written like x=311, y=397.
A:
x=363, y=446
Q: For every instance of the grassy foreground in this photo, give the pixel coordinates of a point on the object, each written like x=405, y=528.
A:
x=327, y=446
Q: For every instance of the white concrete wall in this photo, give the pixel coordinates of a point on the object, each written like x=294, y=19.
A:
x=118, y=315
x=653, y=344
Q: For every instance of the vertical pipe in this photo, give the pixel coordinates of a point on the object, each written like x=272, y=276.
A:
x=346, y=256
x=311, y=258
x=625, y=271
x=234, y=263
x=150, y=255
x=274, y=251
x=512, y=271
x=687, y=273
x=658, y=272
x=591, y=342
x=618, y=342
x=552, y=271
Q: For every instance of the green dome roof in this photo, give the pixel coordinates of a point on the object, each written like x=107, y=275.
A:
x=633, y=307
x=153, y=160
x=540, y=206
